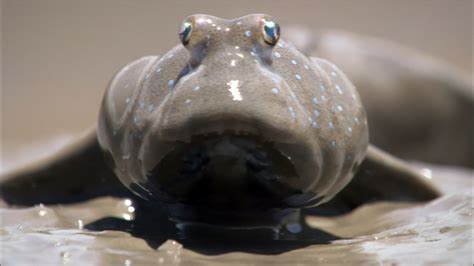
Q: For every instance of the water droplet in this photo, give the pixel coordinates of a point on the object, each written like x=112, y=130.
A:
x=80, y=224
x=248, y=33
x=275, y=90
x=426, y=172
x=65, y=256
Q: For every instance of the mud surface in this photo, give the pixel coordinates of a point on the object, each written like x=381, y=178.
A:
x=105, y=231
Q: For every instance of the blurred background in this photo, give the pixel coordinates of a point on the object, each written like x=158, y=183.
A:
x=58, y=56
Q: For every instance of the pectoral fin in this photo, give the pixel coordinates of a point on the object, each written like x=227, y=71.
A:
x=76, y=172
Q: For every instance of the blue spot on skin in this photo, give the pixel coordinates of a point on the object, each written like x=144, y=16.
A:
x=170, y=83
x=322, y=87
x=315, y=125
x=306, y=67
x=338, y=88
x=339, y=108
x=333, y=74
x=356, y=120
x=292, y=112
x=142, y=104
x=197, y=88
x=127, y=100
x=275, y=90
x=298, y=77
x=349, y=129
x=151, y=107
x=158, y=70
x=331, y=125
x=323, y=97
x=294, y=62
x=315, y=100
x=333, y=143
x=316, y=113
x=293, y=95
x=310, y=120
x=281, y=44
x=248, y=33
x=277, y=54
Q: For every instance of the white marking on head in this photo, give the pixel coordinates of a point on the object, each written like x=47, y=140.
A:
x=234, y=90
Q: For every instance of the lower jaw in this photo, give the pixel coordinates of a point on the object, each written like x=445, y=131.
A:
x=227, y=181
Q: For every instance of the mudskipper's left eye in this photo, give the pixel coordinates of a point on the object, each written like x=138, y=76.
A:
x=271, y=32
x=185, y=32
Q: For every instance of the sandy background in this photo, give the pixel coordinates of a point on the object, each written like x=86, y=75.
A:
x=58, y=56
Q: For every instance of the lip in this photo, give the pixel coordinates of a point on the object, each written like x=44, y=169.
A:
x=292, y=172
x=227, y=170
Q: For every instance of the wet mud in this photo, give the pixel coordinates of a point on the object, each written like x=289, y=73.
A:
x=112, y=231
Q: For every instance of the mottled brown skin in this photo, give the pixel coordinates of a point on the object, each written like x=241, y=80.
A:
x=233, y=93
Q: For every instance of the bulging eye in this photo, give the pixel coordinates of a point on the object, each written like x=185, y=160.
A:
x=185, y=32
x=271, y=32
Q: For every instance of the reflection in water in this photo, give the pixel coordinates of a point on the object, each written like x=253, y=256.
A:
x=111, y=231
x=380, y=232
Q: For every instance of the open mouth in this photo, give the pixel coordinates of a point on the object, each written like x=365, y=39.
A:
x=229, y=170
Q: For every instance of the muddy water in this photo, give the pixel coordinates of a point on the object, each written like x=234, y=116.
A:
x=105, y=231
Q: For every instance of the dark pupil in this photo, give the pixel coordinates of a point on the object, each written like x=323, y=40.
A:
x=270, y=31
x=184, y=34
